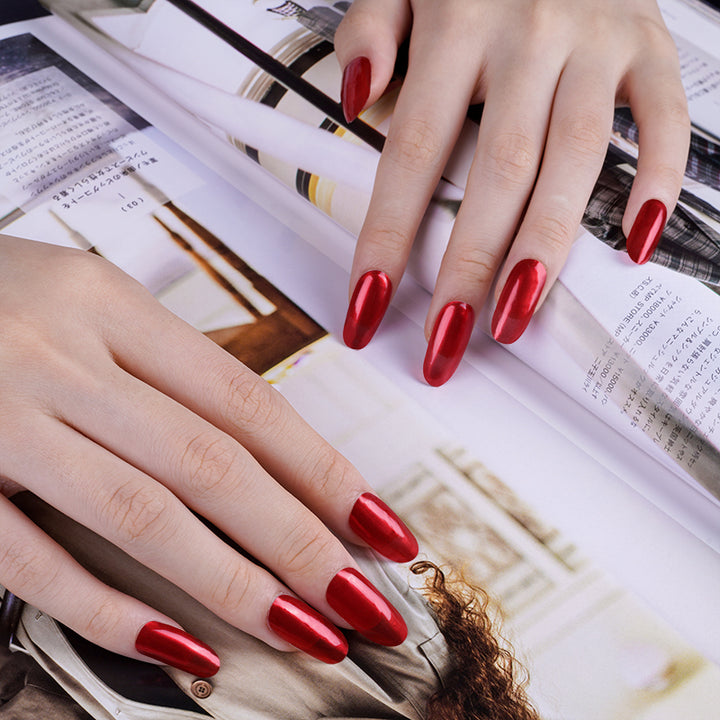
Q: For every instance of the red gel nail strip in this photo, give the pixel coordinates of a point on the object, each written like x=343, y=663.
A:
x=359, y=602
x=450, y=336
x=646, y=231
x=373, y=521
x=518, y=300
x=368, y=304
x=175, y=647
x=306, y=629
x=355, y=87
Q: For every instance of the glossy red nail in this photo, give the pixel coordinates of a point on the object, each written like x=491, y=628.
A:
x=172, y=646
x=373, y=521
x=448, y=341
x=518, y=300
x=355, y=87
x=306, y=629
x=368, y=304
x=646, y=231
x=359, y=602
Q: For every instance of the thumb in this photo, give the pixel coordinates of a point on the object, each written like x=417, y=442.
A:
x=366, y=45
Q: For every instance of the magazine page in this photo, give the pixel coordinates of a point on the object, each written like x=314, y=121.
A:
x=593, y=648
x=682, y=431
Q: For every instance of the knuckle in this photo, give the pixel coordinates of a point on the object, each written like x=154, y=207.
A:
x=386, y=237
x=249, y=401
x=208, y=464
x=415, y=145
x=326, y=471
x=674, y=113
x=513, y=162
x=474, y=265
x=230, y=589
x=138, y=512
x=102, y=621
x=668, y=176
x=25, y=570
x=585, y=135
x=554, y=231
x=655, y=37
x=304, y=548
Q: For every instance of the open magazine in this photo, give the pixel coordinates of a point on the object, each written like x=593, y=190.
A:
x=639, y=349
x=82, y=167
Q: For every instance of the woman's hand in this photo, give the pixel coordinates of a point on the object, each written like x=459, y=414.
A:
x=124, y=418
x=549, y=73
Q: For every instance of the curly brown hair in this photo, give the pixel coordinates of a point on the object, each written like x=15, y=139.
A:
x=483, y=682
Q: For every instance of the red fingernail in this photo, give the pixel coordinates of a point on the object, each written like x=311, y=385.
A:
x=448, y=341
x=518, y=300
x=646, y=231
x=369, y=302
x=359, y=602
x=306, y=629
x=175, y=647
x=355, y=87
x=373, y=521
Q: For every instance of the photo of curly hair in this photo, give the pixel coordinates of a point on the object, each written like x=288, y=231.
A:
x=485, y=681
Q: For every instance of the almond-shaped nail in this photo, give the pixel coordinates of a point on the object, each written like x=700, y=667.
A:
x=306, y=629
x=172, y=646
x=355, y=87
x=373, y=521
x=518, y=300
x=361, y=604
x=368, y=304
x=450, y=336
x=646, y=231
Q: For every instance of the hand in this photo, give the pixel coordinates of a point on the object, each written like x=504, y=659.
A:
x=124, y=418
x=549, y=73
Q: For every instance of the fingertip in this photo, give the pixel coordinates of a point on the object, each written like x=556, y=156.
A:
x=373, y=30
x=375, y=523
x=170, y=645
x=367, y=307
x=518, y=300
x=306, y=629
x=448, y=342
x=355, y=91
x=646, y=231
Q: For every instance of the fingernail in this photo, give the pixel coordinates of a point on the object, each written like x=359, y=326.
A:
x=369, y=302
x=646, y=231
x=448, y=341
x=518, y=300
x=359, y=603
x=306, y=629
x=373, y=521
x=355, y=87
x=172, y=646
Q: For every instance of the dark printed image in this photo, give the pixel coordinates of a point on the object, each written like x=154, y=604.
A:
x=25, y=54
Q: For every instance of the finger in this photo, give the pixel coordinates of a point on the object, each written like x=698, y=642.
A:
x=158, y=348
x=214, y=475
x=576, y=145
x=39, y=571
x=509, y=148
x=659, y=107
x=426, y=122
x=144, y=519
x=366, y=44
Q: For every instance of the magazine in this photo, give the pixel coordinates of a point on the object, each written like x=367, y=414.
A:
x=644, y=358
x=123, y=188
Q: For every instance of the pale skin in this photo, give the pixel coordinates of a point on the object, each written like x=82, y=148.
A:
x=104, y=415
x=549, y=73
